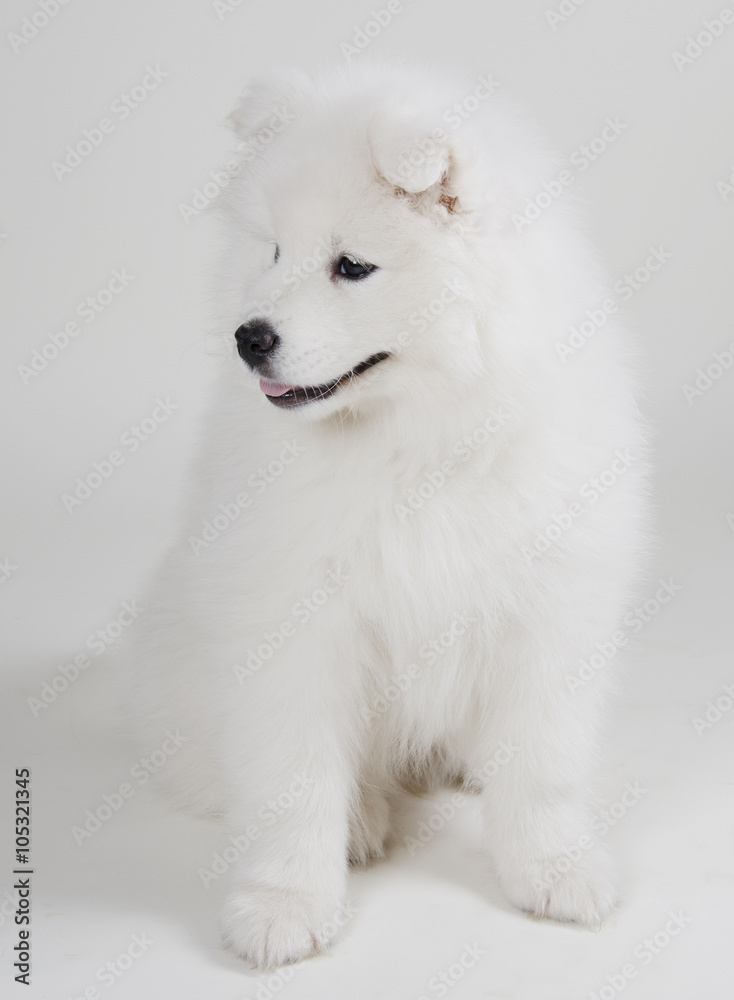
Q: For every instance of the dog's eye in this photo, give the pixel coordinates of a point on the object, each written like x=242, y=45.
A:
x=353, y=269
x=276, y=255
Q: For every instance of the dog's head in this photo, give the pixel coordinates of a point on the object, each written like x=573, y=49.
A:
x=353, y=239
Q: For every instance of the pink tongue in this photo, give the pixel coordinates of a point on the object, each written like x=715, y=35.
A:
x=273, y=389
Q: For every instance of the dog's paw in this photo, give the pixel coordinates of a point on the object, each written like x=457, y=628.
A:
x=273, y=927
x=369, y=826
x=583, y=890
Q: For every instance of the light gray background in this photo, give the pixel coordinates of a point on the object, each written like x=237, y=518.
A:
x=656, y=186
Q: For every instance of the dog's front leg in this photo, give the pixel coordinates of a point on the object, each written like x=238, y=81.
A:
x=535, y=766
x=289, y=751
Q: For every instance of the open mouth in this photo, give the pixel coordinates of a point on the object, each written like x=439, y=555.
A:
x=297, y=395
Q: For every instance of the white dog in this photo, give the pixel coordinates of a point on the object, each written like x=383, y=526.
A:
x=413, y=513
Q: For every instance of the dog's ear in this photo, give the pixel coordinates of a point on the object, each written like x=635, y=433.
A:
x=271, y=97
x=416, y=157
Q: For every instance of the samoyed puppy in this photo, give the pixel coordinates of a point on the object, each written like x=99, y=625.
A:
x=415, y=508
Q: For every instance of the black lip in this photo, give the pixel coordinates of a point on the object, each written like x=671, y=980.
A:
x=299, y=395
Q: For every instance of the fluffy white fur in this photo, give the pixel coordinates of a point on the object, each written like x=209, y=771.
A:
x=334, y=176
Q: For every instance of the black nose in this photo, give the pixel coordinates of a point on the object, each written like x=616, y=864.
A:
x=256, y=341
